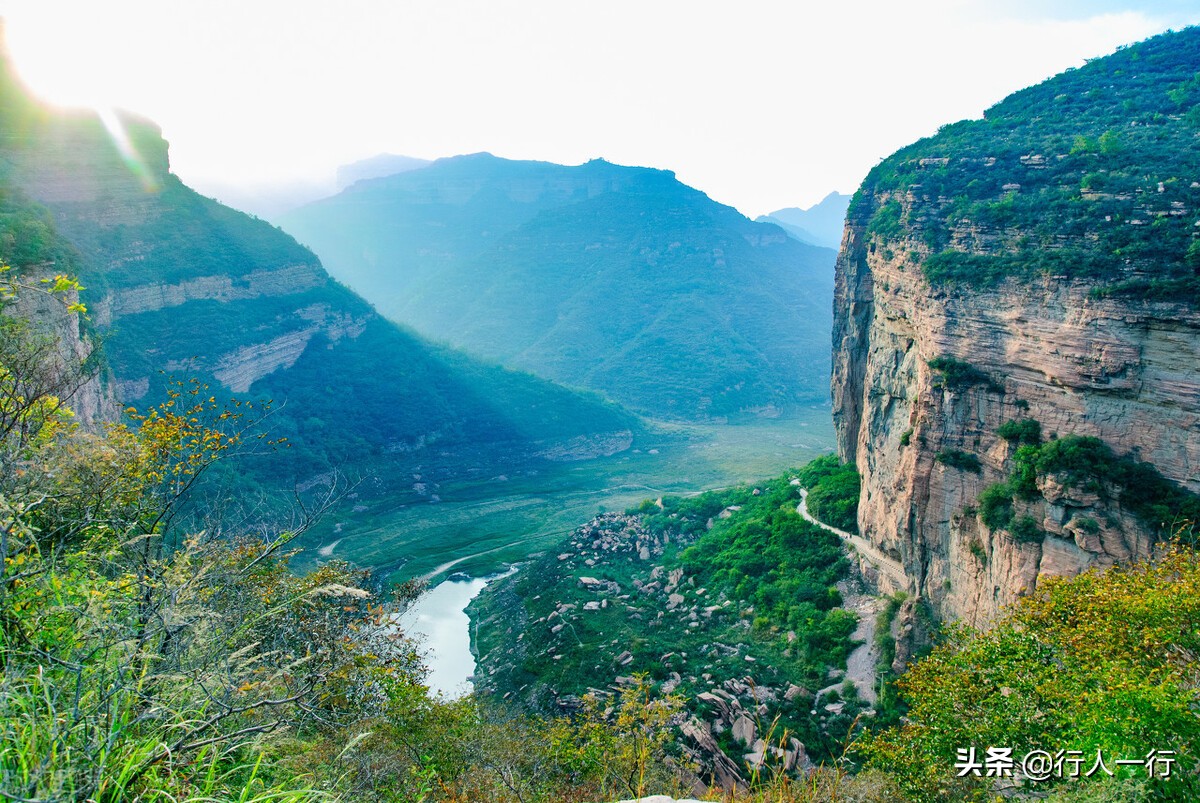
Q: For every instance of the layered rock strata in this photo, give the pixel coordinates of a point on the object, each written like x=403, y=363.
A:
x=1051, y=350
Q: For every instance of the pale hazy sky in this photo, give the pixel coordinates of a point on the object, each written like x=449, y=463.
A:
x=760, y=103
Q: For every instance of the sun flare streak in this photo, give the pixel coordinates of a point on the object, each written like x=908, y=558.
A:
x=129, y=155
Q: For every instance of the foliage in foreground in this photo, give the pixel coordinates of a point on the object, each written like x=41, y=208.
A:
x=141, y=659
x=1102, y=662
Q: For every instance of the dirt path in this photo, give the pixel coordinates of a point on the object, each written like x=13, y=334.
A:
x=870, y=553
x=860, y=665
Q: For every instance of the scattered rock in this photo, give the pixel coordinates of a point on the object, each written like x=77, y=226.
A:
x=744, y=730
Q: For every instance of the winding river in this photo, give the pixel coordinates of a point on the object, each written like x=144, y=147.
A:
x=438, y=619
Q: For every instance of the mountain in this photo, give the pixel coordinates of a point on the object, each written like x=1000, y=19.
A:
x=177, y=284
x=385, y=164
x=617, y=279
x=1017, y=333
x=820, y=224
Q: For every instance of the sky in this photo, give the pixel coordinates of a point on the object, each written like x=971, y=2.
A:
x=762, y=104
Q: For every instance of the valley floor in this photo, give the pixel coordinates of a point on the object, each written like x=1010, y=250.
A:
x=481, y=525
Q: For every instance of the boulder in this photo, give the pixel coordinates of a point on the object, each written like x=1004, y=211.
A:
x=744, y=730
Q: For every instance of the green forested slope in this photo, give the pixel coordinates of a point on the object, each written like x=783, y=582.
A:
x=179, y=285
x=1094, y=173
x=619, y=279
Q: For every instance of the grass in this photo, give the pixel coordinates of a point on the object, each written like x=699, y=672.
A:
x=489, y=522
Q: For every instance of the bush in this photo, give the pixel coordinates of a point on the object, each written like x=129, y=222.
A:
x=996, y=506
x=954, y=374
x=1022, y=431
x=957, y=458
x=1103, y=660
x=1026, y=530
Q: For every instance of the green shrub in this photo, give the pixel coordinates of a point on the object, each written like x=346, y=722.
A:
x=954, y=374
x=1026, y=530
x=996, y=506
x=1022, y=431
x=957, y=458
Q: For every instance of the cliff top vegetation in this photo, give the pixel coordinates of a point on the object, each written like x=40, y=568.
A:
x=1093, y=174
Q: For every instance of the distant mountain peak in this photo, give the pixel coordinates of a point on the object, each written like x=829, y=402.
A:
x=820, y=224
x=378, y=166
x=618, y=279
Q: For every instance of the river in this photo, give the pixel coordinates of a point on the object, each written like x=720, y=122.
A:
x=438, y=619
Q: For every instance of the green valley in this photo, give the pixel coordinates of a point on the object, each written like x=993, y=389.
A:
x=596, y=407
x=483, y=523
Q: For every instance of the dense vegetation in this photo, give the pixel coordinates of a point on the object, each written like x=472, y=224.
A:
x=785, y=567
x=1089, y=465
x=833, y=491
x=750, y=593
x=617, y=279
x=1103, y=662
x=1093, y=174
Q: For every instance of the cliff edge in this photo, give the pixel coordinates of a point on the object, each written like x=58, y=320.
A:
x=1017, y=333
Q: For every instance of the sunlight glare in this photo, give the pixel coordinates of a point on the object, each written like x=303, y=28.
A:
x=64, y=65
x=120, y=137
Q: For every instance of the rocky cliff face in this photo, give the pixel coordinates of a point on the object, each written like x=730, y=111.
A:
x=928, y=369
x=93, y=397
x=1080, y=366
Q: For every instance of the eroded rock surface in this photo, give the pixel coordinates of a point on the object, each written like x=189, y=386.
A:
x=1118, y=369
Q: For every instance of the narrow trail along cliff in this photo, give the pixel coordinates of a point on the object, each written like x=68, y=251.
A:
x=885, y=566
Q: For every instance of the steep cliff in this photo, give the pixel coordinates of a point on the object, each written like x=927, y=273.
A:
x=1017, y=333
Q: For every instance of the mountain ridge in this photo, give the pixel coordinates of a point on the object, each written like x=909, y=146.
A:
x=820, y=224
x=180, y=284
x=618, y=279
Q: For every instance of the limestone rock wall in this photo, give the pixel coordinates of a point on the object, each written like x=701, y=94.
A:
x=93, y=398
x=1124, y=371
x=223, y=288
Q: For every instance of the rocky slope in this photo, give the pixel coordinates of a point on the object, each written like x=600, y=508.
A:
x=728, y=601
x=1035, y=266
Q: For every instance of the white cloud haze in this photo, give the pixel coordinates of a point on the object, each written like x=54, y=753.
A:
x=761, y=104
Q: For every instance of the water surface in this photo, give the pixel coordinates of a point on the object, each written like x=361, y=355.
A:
x=438, y=619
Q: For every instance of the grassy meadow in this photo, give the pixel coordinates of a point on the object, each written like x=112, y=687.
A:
x=480, y=525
